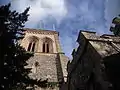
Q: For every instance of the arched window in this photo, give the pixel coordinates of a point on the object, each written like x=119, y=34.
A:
x=33, y=43
x=29, y=46
x=47, y=45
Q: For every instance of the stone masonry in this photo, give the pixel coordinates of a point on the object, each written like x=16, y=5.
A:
x=87, y=69
x=48, y=62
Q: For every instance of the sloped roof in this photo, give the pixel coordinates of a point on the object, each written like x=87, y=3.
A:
x=105, y=45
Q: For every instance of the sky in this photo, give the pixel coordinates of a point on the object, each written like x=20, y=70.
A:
x=68, y=17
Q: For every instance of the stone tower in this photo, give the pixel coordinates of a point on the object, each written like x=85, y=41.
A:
x=48, y=62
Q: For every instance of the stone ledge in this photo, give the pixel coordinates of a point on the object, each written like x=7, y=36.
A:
x=39, y=31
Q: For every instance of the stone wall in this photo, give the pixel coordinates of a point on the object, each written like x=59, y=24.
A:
x=40, y=36
x=50, y=66
x=46, y=65
x=87, y=71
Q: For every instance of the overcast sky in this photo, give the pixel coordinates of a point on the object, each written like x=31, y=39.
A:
x=68, y=17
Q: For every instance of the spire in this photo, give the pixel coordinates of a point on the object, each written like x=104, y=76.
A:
x=42, y=24
x=54, y=27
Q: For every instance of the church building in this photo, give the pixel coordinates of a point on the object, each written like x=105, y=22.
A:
x=96, y=62
x=49, y=62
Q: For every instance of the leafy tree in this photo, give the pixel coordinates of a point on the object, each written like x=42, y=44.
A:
x=13, y=57
x=116, y=28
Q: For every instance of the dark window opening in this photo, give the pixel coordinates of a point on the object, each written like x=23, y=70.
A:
x=33, y=47
x=43, y=47
x=29, y=47
x=47, y=48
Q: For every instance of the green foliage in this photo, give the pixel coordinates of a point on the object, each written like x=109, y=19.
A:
x=13, y=57
x=116, y=28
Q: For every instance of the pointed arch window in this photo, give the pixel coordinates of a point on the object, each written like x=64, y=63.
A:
x=47, y=46
x=31, y=46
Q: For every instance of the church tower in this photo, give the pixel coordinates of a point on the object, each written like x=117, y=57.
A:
x=48, y=62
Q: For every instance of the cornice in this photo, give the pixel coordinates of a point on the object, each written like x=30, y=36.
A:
x=39, y=31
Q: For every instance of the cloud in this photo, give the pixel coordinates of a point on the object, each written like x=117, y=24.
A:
x=112, y=10
x=70, y=16
x=82, y=15
x=90, y=15
x=41, y=9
